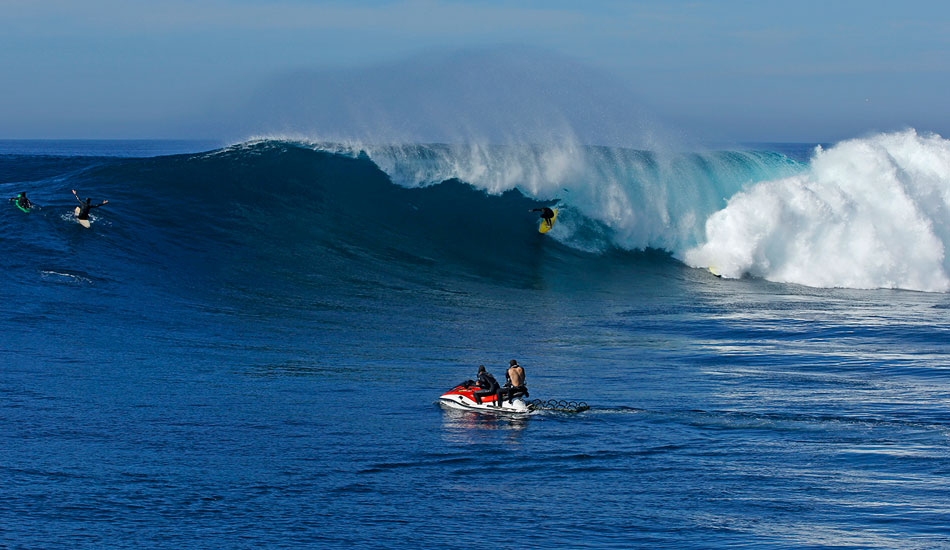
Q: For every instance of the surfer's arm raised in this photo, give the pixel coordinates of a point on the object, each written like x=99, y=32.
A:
x=77, y=196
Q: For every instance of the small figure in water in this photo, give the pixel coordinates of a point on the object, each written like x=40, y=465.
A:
x=82, y=211
x=514, y=381
x=22, y=202
x=546, y=214
x=488, y=385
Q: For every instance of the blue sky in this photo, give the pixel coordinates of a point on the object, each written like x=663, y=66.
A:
x=727, y=70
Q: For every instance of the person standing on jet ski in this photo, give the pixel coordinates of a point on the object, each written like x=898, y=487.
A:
x=489, y=387
x=514, y=381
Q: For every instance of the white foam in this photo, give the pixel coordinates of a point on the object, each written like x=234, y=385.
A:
x=49, y=273
x=868, y=213
x=610, y=197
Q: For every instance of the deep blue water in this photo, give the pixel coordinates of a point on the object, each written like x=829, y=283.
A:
x=246, y=349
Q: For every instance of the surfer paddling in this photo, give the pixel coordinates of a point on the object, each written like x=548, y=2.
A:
x=82, y=211
x=22, y=202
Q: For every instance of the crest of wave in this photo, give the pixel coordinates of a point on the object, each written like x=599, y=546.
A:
x=868, y=213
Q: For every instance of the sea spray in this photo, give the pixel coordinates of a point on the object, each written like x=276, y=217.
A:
x=868, y=213
x=611, y=198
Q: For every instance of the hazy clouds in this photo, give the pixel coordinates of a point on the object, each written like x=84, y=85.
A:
x=502, y=94
x=734, y=69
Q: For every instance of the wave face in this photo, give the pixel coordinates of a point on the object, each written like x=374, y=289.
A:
x=867, y=213
x=610, y=198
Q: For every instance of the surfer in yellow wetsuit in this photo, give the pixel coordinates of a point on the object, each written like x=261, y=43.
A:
x=546, y=214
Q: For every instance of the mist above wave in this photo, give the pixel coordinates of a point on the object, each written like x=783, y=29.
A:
x=500, y=95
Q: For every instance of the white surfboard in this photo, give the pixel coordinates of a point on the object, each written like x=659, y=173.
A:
x=84, y=223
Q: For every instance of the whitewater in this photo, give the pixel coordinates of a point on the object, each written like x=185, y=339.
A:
x=865, y=213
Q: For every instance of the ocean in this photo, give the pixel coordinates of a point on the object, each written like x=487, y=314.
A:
x=246, y=348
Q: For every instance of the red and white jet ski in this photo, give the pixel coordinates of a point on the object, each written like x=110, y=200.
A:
x=460, y=397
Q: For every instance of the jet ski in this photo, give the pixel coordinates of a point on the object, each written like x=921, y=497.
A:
x=460, y=397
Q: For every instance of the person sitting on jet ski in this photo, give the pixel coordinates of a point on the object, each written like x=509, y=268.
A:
x=514, y=381
x=489, y=387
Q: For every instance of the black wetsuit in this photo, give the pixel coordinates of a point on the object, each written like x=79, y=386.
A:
x=489, y=387
x=23, y=202
x=546, y=214
x=84, y=207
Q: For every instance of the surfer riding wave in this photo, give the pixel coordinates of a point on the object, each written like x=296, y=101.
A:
x=547, y=215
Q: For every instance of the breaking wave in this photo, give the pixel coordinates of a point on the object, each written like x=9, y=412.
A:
x=867, y=213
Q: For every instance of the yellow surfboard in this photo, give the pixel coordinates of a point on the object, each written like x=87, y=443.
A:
x=544, y=224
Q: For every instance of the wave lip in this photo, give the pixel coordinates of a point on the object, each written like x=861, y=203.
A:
x=868, y=213
x=610, y=198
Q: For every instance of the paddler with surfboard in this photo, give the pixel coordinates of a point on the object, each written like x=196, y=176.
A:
x=82, y=211
x=22, y=202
